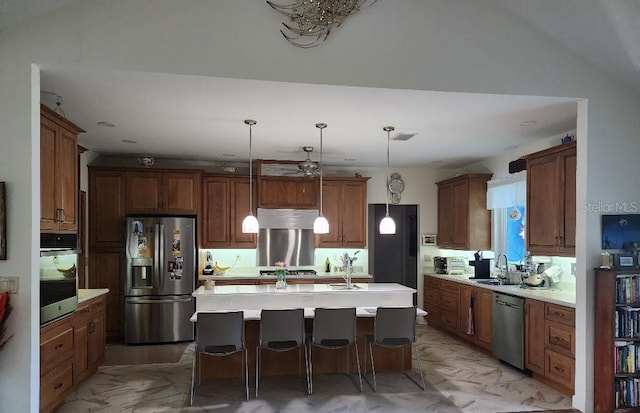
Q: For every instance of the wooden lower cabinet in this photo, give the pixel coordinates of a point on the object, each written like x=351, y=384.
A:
x=71, y=349
x=534, y=356
x=478, y=303
x=550, y=344
x=107, y=271
x=549, y=328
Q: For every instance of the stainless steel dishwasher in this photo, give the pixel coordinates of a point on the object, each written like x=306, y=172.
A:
x=508, y=329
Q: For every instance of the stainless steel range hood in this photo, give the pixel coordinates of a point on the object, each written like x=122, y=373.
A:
x=286, y=235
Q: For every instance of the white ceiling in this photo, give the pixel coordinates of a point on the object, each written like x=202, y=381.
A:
x=201, y=118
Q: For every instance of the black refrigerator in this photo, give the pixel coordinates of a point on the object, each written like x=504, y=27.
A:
x=393, y=258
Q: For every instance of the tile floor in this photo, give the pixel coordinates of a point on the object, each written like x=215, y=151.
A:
x=459, y=379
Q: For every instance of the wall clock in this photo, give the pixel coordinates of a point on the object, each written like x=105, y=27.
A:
x=396, y=186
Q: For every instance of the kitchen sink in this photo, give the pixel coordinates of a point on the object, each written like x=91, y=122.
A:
x=495, y=281
x=488, y=281
x=343, y=287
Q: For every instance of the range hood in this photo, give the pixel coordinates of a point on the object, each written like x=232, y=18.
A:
x=286, y=235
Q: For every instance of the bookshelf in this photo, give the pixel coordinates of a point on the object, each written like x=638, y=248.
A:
x=617, y=341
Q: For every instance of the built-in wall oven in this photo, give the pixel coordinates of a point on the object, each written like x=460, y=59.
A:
x=58, y=275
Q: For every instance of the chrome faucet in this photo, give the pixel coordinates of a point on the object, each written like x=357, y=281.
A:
x=502, y=274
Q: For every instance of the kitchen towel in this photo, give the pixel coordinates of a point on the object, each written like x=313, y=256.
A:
x=470, y=326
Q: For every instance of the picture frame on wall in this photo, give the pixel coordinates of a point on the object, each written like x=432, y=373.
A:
x=3, y=223
x=428, y=239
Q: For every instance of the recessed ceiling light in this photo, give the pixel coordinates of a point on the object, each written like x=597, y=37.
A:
x=129, y=141
x=107, y=124
x=525, y=123
x=229, y=155
x=350, y=159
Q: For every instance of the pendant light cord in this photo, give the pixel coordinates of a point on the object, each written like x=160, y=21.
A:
x=387, y=188
x=250, y=172
x=321, y=172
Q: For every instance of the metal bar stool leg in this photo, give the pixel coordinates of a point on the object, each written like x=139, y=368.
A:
x=419, y=366
x=257, y=369
x=308, y=370
x=193, y=377
x=373, y=368
x=355, y=344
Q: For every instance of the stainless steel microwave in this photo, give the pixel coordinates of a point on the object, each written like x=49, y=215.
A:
x=58, y=275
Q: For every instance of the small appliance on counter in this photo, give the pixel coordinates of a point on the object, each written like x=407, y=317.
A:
x=480, y=267
x=449, y=265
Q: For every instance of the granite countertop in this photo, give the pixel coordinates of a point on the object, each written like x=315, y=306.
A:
x=86, y=294
x=554, y=296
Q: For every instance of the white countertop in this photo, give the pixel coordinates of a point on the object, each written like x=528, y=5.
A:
x=256, y=276
x=554, y=296
x=86, y=294
x=301, y=289
x=267, y=296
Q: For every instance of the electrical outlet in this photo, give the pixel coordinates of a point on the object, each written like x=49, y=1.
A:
x=10, y=284
x=573, y=269
x=237, y=258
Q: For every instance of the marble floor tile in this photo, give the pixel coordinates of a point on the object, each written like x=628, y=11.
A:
x=458, y=379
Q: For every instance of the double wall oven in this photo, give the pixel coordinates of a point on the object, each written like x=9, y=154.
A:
x=58, y=275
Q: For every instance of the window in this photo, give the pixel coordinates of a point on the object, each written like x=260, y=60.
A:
x=506, y=197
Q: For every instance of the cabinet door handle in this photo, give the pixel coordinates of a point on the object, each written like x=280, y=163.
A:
x=561, y=370
x=62, y=216
x=559, y=338
x=57, y=386
x=558, y=314
x=92, y=327
x=59, y=346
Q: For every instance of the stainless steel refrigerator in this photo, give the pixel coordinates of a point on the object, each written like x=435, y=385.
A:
x=161, y=274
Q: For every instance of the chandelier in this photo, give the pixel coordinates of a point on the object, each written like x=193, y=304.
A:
x=313, y=20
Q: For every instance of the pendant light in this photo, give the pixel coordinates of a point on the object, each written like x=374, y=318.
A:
x=321, y=225
x=387, y=224
x=250, y=223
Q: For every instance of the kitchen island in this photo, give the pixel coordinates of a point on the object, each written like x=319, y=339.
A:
x=253, y=298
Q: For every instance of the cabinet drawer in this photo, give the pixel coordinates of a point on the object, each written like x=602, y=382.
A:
x=450, y=286
x=434, y=315
x=431, y=297
x=449, y=321
x=449, y=302
x=98, y=304
x=432, y=282
x=560, y=338
x=56, y=349
x=55, y=386
x=560, y=314
x=560, y=368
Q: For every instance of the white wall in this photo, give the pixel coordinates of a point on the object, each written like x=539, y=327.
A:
x=446, y=45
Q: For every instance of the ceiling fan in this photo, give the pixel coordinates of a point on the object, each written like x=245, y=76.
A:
x=308, y=168
x=305, y=169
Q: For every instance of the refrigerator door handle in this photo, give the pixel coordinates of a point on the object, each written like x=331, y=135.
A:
x=162, y=258
x=156, y=258
x=158, y=301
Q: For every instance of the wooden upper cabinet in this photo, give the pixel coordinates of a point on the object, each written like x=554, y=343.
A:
x=344, y=206
x=464, y=222
x=280, y=192
x=551, y=201
x=58, y=172
x=106, y=208
x=153, y=192
x=225, y=204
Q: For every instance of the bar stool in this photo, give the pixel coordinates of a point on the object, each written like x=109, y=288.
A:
x=394, y=327
x=334, y=328
x=219, y=335
x=281, y=330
